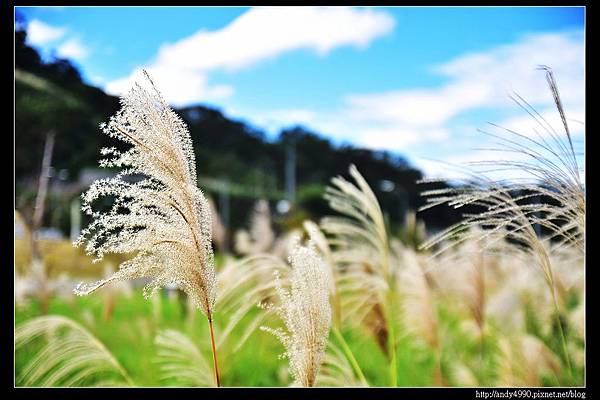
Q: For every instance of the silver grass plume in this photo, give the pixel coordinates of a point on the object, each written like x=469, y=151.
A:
x=261, y=236
x=361, y=246
x=517, y=210
x=336, y=369
x=363, y=223
x=261, y=232
x=164, y=218
x=243, y=284
x=339, y=367
x=550, y=161
x=180, y=361
x=306, y=313
x=70, y=355
x=523, y=360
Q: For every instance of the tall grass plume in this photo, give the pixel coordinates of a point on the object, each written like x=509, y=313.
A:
x=158, y=212
x=306, y=313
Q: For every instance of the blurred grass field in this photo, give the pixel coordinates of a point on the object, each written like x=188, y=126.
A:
x=497, y=353
x=130, y=332
x=60, y=257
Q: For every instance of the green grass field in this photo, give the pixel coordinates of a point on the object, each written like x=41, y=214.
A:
x=130, y=332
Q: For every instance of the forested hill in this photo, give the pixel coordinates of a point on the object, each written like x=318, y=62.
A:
x=52, y=96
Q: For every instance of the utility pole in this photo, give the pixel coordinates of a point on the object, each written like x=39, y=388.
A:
x=224, y=207
x=290, y=170
x=37, y=262
x=40, y=199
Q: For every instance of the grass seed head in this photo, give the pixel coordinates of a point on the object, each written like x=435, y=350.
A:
x=160, y=214
x=306, y=313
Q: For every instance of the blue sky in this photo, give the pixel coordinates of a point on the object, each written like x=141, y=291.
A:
x=414, y=80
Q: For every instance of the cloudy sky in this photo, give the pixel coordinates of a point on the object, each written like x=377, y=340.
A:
x=418, y=81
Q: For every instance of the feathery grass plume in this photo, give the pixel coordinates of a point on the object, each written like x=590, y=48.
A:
x=551, y=196
x=418, y=303
x=337, y=369
x=413, y=232
x=511, y=293
x=242, y=285
x=286, y=243
x=419, y=309
x=261, y=231
x=181, y=362
x=164, y=218
x=521, y=300
x=550, y=163
x=306, y=313
x=364, y=222
x=361, y=246
x=463, y=273
x=461, y=375
x=71, y=355
x=261, y=237
x=332, y=359
x=320, y=242
x=577, y=320
x=524, y=360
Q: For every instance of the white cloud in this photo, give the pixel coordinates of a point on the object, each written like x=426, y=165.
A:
x=398, y=137
x=273, y=120
x=40, y=33
x=484, y=79
x=441, y=169
x=257, y=35
x=418, y=108
x=178, y=87
x=549, y=119
x=513, y=67
x=473, y=163
x=419, y=121
x=395, y=120
x=263, y=33
x=72, y=48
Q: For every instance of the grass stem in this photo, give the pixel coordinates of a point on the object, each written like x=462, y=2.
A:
x=350, y=356
x=214, y=351
x=391, y=342
x=562, y=332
